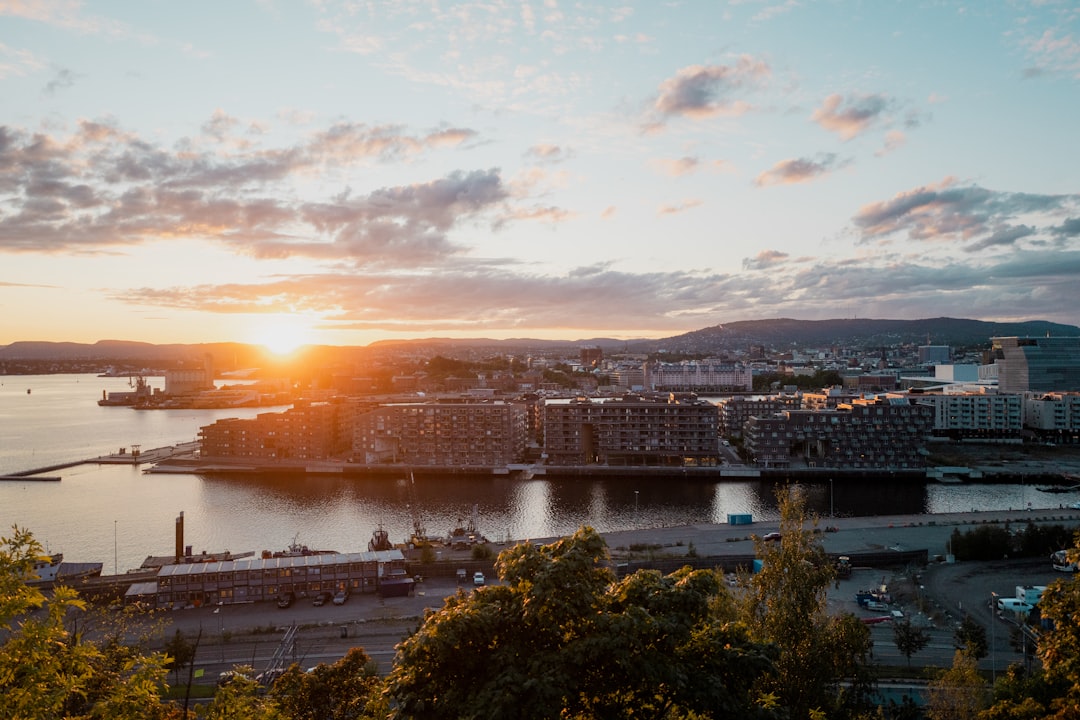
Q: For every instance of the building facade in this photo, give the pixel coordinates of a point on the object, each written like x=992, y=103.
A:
x=463, y=434
x=698, y=376
x=631, y=430
x=1053, y=416
x=1037, y=364
x=887, y=434
x=255, y=578
x=735, y=411
x=307, y=431
x=986, y=415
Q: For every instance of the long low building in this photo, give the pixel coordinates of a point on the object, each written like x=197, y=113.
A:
x=255, y=578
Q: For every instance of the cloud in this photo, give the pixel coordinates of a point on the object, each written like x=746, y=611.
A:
x=703, y=91
x=1053, y=54
x=850, y=119
x=1067, y=229
x=789, y=172
x=677, y=167
x=765, y=259
x=894, y=140
x=102, y=187
x=679, y=207
x=547, y=153
x=17, y=63
x=949, y=210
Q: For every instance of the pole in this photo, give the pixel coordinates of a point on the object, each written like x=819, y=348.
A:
x=832, y=512
x=993, y=638
x=114, y=564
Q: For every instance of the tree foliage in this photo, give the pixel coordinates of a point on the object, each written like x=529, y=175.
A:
x=958, y=693
x=970, y=637
x=349, y=689
x=785, y=605
x=47, y=671
x=562, y=638
x=909, y=638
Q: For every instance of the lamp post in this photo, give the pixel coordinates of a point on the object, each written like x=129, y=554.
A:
x=114, y=567
x=832, y=512
x=993, y=638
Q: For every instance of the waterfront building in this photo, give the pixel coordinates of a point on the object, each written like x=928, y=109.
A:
x=1037, y=364
x=980, y=413
x=253, y=579
x=464, y=433
x=631, y=430
x=185, y=381
x=698, y=376
x=735, y=411
x=307, y=431
x=1053, y=416
x=876, y=433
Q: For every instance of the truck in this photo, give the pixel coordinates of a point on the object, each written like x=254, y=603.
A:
x=1030, y=594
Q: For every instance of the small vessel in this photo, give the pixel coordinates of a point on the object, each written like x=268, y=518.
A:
x=380, y=540
x=295, y=549
x=46, y=569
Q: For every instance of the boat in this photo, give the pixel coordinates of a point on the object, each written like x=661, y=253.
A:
x=46, y=569
x=465, y=535
x=380, y=540
x=295, y=549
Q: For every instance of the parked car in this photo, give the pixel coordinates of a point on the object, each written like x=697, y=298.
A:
x=285, y=599
x=770, y=537
x=322, y=598
x=341, y=596
x=478, y=578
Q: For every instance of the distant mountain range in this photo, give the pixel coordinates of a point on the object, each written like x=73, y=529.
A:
x=776, y=334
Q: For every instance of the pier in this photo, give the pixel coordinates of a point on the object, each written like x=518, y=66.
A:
x=123, y=456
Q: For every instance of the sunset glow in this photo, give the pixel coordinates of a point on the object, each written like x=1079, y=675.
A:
x=633, y=169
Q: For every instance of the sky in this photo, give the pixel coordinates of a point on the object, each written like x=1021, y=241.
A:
x=343, y=172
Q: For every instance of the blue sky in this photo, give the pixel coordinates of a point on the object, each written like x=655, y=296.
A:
x=344, y=172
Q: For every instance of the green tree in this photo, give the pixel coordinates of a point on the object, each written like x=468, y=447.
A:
x=970, y=637
x=958, y=693
x=1019, y=695
x=1059, y=645
x=560, y=637
x=180, y=654
x=349, y=689
x=47, y=671
x=785, y=605
x=909, y=638
x=240, y=697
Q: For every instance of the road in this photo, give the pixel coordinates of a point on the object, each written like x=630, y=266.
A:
x=935, y=597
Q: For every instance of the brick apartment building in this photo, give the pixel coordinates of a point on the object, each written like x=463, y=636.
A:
x=631, y=430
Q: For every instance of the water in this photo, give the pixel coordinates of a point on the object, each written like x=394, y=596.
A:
x=116, y=515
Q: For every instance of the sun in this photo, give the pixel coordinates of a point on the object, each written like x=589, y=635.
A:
x=282, y=334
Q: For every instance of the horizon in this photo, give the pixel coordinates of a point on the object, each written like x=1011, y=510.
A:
x=303, y=175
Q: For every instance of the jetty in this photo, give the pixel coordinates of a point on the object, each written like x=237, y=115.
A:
x=124, y=456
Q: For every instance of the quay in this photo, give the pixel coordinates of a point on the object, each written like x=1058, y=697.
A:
x=121, y=457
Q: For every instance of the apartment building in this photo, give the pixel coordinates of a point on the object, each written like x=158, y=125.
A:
x=631, y=430
x=698, y=376
x=735, y=411
x=307, y=431
x=983, y=414
x=880, y=433
x=1053, y=416
x=466, y=433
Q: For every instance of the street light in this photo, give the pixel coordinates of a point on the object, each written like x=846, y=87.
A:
x=832, y=513
x=993, y=638
x=114, y=568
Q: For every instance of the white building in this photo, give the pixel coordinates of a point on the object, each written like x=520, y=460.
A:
x=698, y=376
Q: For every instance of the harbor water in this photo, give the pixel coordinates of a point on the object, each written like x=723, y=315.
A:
x=118, y=515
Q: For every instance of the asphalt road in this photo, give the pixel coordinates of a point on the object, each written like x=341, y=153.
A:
x=936, y=598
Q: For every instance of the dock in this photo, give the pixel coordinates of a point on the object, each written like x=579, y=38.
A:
x=123, y=456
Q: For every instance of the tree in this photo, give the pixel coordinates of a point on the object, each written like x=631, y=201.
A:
x=909, y=638
x=958, y=693
x=970, y=637
x=785, y=605
x=560, y=637
x=349, y=689
x=1059, y=646
x=47, y=671
x=239, y=697
x=180, y=654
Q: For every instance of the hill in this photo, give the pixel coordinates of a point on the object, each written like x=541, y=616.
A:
x=774, y=334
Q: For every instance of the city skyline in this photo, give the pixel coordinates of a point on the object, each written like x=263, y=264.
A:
x=341, y=173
